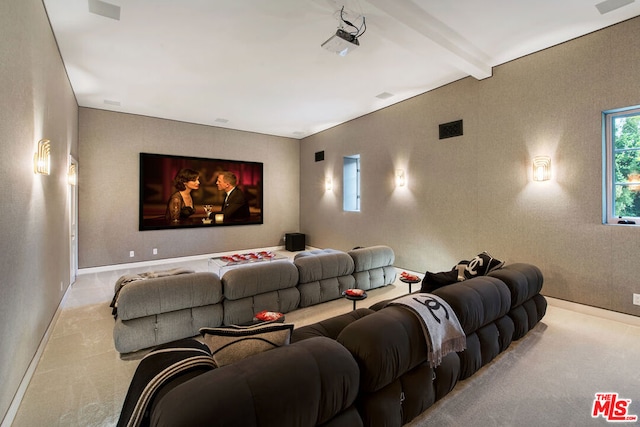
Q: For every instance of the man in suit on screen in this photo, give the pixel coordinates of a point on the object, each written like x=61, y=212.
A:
x=235, y=207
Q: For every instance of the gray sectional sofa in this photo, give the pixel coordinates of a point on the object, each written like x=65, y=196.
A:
x=250, y=289
x=324, y=275
x=373, y=267
x=156, y=310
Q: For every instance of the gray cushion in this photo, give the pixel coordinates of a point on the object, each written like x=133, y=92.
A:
x=260, y=278
x=170, y=293
x=321, y=264
x=143, y=332
x=373, y=267
x=324, y=290
x=324, y=275
x=243, y=310
x=372, y=257
x=233, y=343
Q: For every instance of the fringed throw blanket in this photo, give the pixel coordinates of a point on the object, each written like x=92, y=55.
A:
x=442, y=330
x=129, y=278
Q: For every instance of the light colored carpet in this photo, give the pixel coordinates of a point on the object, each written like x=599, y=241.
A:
x=548, y=378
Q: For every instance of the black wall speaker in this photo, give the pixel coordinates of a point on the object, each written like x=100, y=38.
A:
x=451, y=129
x=319, y=156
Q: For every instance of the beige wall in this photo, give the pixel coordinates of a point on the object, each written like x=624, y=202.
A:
x=37, y=102
x=109, y=187
x=474, y=193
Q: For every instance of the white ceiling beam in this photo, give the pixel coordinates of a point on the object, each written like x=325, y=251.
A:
x=463, y=55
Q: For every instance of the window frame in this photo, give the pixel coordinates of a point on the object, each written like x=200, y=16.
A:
x=608, y=167
x=351, y=183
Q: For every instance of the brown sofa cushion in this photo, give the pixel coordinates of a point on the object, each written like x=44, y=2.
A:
x=307, y=383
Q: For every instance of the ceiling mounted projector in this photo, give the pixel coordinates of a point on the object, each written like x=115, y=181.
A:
x=341, y=43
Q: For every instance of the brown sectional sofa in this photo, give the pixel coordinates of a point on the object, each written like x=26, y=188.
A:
x=313, y=382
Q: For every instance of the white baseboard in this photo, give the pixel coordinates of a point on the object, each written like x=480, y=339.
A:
x=594, y=311
x=90, y=270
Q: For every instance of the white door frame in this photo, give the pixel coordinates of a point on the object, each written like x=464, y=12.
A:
x=73, y=221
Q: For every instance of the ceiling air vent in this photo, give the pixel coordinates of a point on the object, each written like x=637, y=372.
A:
x=451, y=129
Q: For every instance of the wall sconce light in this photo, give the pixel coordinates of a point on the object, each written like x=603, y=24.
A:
x=72, y=175
x=541, y=168
x=328, y=184
x=42, y=158
x=400, y=178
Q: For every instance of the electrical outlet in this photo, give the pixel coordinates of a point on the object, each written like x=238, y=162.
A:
x=132, y=254
x=155, y=251
x=636, y=299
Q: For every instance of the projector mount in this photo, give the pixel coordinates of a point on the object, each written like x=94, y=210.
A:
x=342, y=42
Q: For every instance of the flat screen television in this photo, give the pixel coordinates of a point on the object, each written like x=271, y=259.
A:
x=157, y=175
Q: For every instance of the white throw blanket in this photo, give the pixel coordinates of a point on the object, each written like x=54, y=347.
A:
x=442, y=330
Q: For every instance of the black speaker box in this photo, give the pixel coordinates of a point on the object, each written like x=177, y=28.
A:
x=294, y=242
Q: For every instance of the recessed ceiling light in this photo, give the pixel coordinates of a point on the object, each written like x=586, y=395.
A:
x=105, y=9
x=384, y=95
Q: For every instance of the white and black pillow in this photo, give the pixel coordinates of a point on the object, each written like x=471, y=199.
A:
x=481, y=265
x=232, y=343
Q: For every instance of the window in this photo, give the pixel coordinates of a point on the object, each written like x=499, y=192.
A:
x=622, y=168
x=351, y=183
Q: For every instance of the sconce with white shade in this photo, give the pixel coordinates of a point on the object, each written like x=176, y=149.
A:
x=541, y=168
x=42, y=158
x=401, y=180
x=328, y=184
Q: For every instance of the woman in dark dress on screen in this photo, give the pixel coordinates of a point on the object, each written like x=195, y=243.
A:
x=180, y=205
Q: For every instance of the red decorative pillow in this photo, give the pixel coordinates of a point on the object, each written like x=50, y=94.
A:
x=268, y=316
x=354, y=292
x=408, y=276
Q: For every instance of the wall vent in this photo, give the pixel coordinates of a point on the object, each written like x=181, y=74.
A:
x=319, y=156
x=451, y=129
